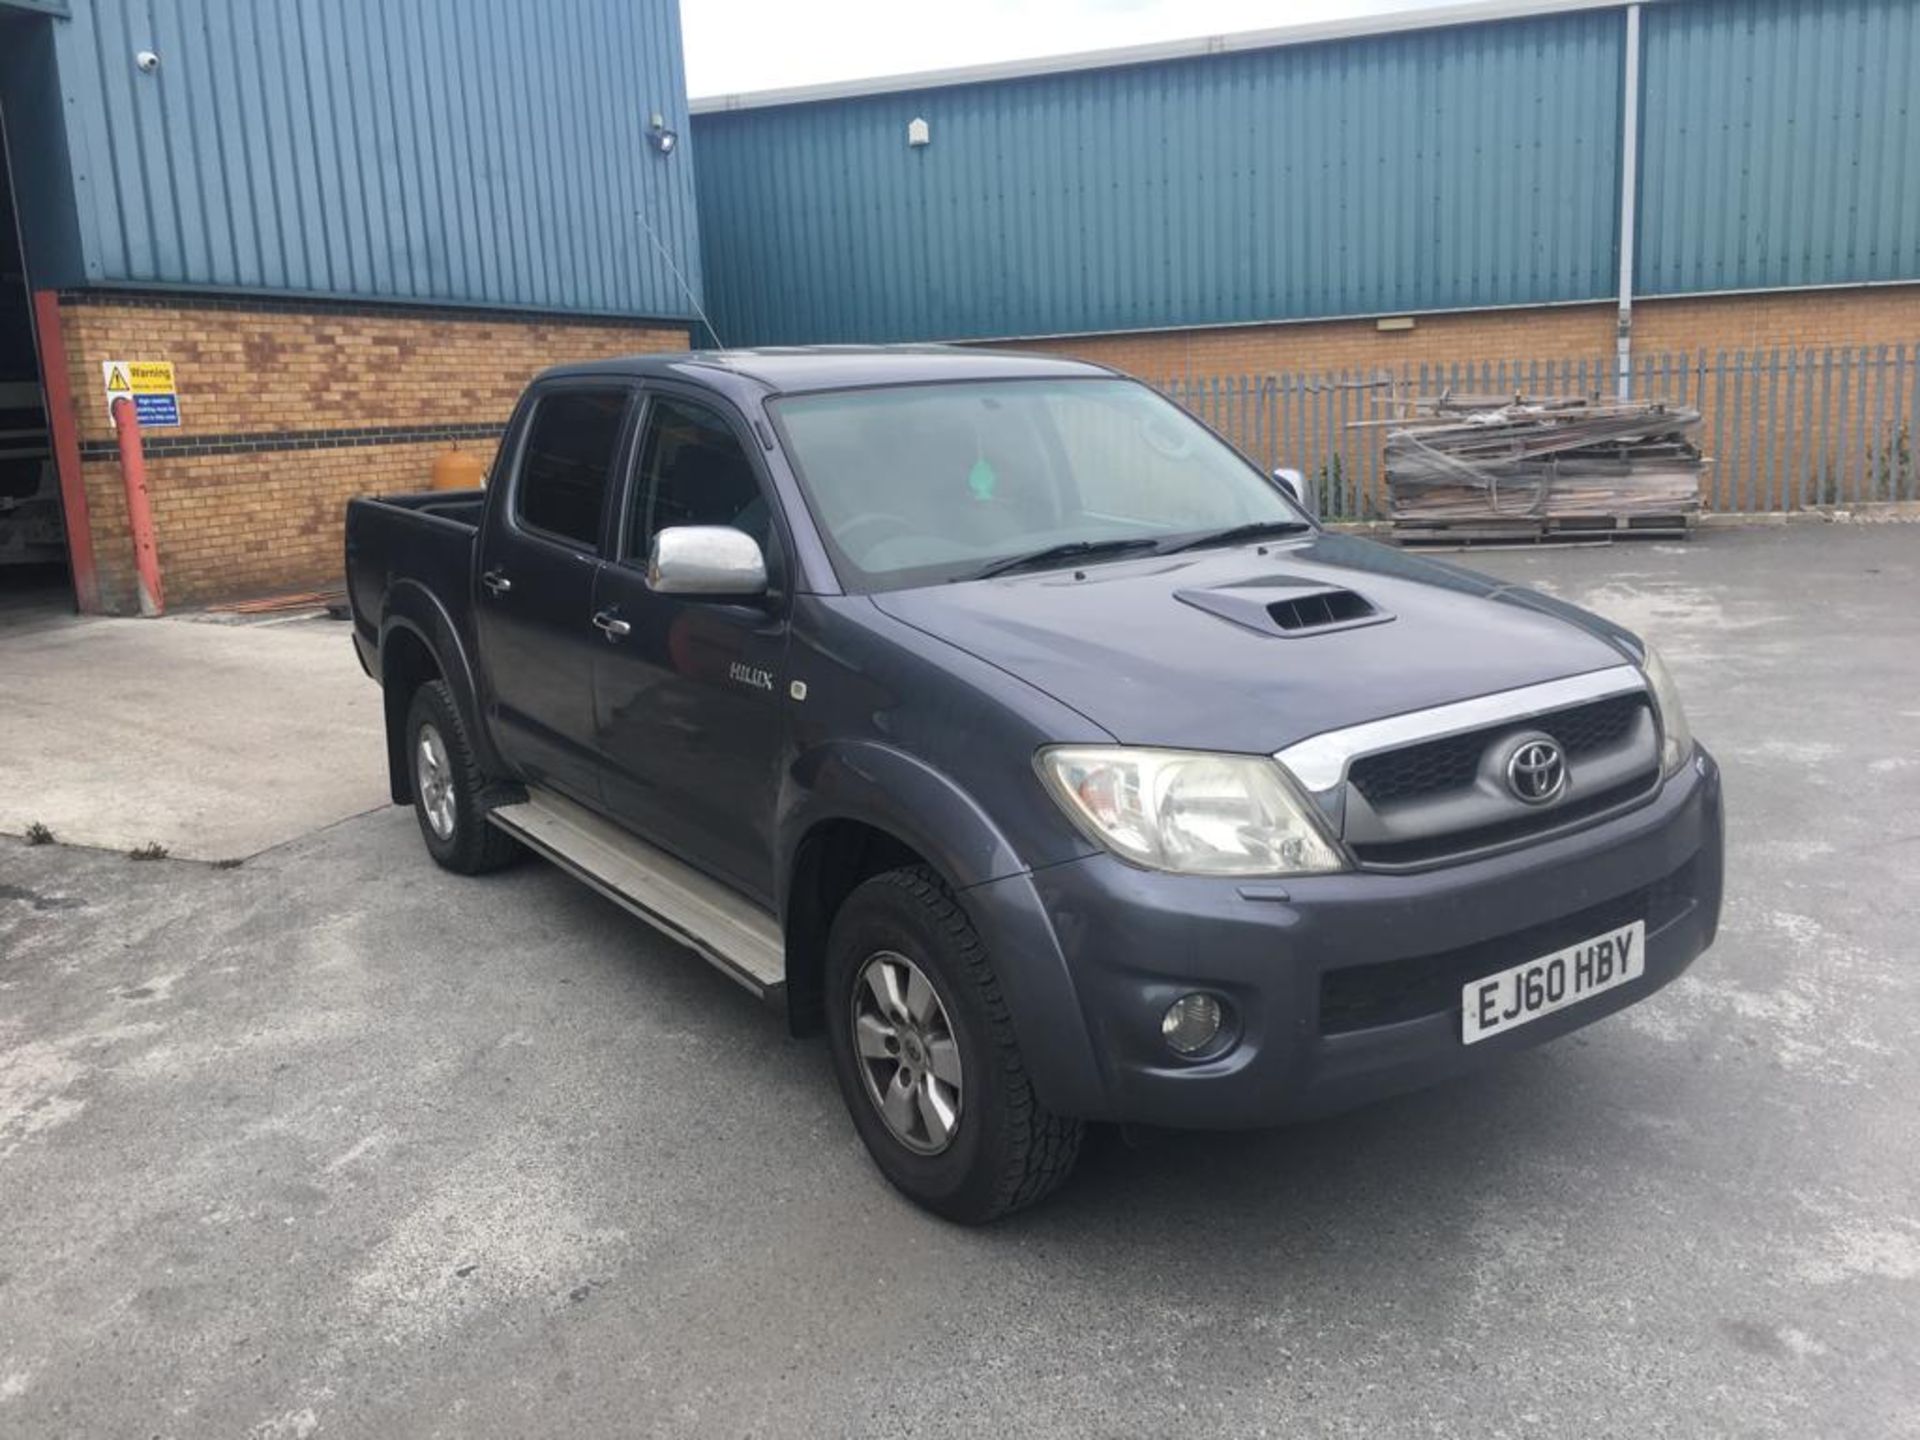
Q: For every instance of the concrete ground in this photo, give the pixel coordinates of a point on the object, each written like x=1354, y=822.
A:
x=337, y=1144
x=213, y=739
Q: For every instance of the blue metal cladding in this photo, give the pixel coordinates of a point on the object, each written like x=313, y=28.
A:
x=1781, y=144
x=483, y=152
x=37, y=149
x=1425, y=170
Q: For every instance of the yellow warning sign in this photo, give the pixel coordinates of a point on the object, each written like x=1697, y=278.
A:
x=139, y=377
x=148, y=383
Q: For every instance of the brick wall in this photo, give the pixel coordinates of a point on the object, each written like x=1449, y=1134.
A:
x=1768, y=445
x=1806, y=318
x=287, y=410
x=1317, y=347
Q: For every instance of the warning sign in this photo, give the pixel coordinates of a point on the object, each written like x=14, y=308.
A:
x=149, y=384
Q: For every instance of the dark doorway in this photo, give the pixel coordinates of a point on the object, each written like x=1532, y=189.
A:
x=33, y=544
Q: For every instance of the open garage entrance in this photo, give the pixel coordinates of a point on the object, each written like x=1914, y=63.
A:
x=34, y=573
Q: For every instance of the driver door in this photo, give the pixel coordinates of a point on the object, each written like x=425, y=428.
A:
x=689, y=698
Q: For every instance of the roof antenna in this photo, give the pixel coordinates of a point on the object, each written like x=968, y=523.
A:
x=686, y=289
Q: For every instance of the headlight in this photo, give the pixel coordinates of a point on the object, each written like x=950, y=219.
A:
x=1189, y=812
x=1676, y=740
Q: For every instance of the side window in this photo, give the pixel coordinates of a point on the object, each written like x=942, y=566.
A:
x=692, y=472
x=566, y=463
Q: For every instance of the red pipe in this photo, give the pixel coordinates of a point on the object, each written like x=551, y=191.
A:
x=66, y=448
x=133, y=464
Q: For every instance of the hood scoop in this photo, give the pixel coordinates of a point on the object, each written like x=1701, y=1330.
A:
x=1286, y=605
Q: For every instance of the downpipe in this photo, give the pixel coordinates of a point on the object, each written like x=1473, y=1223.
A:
x=1629, y=206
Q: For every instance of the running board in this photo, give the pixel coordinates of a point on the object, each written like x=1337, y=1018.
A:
x=735, y=934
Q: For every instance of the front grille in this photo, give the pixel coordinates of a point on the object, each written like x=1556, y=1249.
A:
x=1587, y=728
x=1435, y=767
x=1361, y=997
x=1398, y=853
x=1431, y=768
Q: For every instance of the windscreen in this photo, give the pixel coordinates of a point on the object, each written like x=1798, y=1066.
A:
x=916, y=484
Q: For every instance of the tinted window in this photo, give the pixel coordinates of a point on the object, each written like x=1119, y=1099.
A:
x=569, y=455
x=692, y=472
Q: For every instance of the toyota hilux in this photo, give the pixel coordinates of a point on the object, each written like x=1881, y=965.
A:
x=991, y=714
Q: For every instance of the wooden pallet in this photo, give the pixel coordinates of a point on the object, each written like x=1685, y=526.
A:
x=1524, y=530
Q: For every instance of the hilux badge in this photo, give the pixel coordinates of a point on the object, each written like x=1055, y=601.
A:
x=750, y=675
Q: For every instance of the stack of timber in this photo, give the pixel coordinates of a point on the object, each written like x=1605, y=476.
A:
x=1464, y=468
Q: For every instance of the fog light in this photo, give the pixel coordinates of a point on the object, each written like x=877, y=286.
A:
x=1191, y=1023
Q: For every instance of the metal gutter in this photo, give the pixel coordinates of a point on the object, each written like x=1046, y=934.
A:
x=1476, y=12
x=1629, y=203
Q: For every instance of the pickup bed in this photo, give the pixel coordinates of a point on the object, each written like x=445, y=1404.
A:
x=995, y=717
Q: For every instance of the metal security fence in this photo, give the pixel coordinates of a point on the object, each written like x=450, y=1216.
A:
x=1782, y=429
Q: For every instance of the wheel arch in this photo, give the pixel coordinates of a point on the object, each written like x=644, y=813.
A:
x=861, y=809
x=418, y=643
x=829, y=862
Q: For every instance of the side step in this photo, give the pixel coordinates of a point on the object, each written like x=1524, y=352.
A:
x=736, y=935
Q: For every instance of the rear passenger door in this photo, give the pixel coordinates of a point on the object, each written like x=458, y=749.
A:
x=690, y=697
x=534, y=594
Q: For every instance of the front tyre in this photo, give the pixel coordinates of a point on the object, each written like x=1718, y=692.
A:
x=448, y=787
x=924, y=1052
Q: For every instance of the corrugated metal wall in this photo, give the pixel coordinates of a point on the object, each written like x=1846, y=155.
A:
x=1437, y=169
x=462, y=151
x=1781, y=144
x=1449, y=169
x=31, y=106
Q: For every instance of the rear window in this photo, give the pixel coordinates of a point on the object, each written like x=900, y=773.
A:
x=568, y=461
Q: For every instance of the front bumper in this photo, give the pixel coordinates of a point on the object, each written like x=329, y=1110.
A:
x=1345, y=987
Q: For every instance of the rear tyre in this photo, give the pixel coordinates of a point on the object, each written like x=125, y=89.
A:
x=448, y=787
x=924, y=1051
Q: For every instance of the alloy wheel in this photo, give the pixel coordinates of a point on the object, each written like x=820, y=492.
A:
x=433, y=777
x=908, y=1055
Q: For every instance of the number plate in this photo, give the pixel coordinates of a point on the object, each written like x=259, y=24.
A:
x=1495, y=1004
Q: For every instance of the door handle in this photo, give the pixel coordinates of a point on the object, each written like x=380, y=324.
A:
x=610, y=625
x=496, y=583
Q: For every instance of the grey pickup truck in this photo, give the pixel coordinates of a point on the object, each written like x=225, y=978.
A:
x=993, y=715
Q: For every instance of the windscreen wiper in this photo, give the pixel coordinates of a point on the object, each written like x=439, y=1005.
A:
x=1070, y=550
x=1255, y=530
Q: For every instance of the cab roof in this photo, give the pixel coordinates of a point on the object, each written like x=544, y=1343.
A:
x=837, y=367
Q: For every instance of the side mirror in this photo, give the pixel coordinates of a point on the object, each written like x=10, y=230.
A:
x=1295, y=484
x=712, y=560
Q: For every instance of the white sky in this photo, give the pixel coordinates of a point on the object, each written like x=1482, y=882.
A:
x=739, y=45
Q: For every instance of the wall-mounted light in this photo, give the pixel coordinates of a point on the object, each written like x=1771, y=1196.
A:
x=659, y=136
x=917, y=133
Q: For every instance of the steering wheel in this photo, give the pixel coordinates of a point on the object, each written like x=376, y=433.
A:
x=871, y=519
